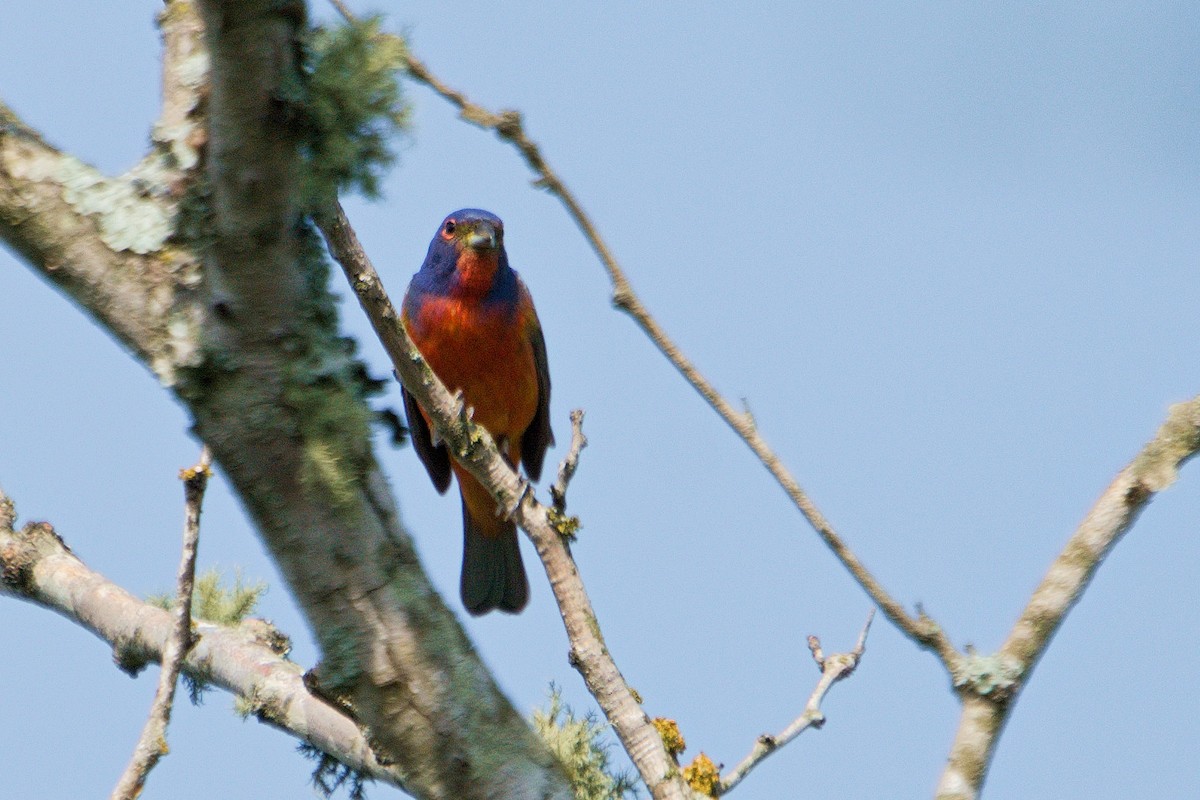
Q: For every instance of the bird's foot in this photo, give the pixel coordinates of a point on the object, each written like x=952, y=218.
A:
x=510, y=511
x=460, y=407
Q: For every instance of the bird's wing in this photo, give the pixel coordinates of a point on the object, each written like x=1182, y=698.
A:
x=538, y=436
x=433, y=456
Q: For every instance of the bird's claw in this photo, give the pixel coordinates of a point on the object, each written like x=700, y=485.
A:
x=459, y=410
x=460, y=407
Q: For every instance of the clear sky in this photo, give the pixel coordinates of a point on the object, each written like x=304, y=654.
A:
x=947, y=252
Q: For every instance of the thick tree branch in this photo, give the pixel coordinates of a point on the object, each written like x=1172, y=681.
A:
x=474, y=448
x=833, y=669
x=509, y=127
x=246, y=660
x=106, y=241
x=152, y=744
x=989, y=685
x=288, y=424
x=229, y=307
x=94, y=236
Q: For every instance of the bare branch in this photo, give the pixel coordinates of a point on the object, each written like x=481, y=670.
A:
x=509, y=127
x=246, y=660
x=179, y=133
x=474, y=448
x=103, y=240
x=989, y=685
x=152, y=744
x=833, y=669
x=93, y=236
x=566, y=470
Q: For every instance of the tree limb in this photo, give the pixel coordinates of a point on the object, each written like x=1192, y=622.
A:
x=93, y=236
x=152, y=744
x=229, y=306
x=989, y=685
x=474, y=448
x=246, y=660
x=509, y=127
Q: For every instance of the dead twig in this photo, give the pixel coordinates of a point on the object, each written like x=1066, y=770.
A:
x=152, y=744
x=566, y=470
x=833, y=669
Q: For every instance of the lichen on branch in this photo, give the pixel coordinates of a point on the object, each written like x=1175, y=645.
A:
x=354, y=108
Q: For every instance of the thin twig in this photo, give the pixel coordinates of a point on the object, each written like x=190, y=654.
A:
x=152, y=745
x=509, y=127
x=474, y=448
x=566, y=470
x=833, y=669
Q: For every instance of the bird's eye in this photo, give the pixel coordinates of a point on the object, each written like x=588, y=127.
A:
x=449, y=227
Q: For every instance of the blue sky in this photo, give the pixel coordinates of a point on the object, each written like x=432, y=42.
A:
x=947, y=253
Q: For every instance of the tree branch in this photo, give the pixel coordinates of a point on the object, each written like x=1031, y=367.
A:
x=989, y=685
x=185, y=76
x=474, y=448
x=92, y=236
x=246, y=660
x=509, y=127
x=289, y=425
x=104, y=240
x=152, y=744
x=833, y=669
x=228, y=304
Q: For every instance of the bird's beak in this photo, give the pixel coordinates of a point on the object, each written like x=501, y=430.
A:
x=481, y=237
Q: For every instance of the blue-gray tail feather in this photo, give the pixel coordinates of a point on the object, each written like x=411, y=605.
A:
x=492, y=573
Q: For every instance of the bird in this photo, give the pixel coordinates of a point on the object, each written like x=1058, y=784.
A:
x=473, y=320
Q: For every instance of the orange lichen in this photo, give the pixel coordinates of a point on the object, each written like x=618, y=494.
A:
x=673, y=741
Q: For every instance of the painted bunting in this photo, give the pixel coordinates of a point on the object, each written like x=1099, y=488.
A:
x=473, y=320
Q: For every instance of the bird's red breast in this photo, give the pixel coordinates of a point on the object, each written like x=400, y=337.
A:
x=486, y=354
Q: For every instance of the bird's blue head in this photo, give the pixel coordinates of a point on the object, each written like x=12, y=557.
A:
x=467, y=254
x=468, y=229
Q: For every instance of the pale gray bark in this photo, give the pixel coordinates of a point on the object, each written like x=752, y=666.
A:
x=247, y=660
x=989, y=686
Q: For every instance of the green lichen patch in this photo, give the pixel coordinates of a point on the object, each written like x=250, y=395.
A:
x=580, y=745
x=354, y=109
x=215, y=601
x=340, y=669
x=127, y=218
x=996, y=675
x=567, y=526
x=335, y=427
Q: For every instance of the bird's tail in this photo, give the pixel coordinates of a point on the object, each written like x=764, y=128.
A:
x=492, y=573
